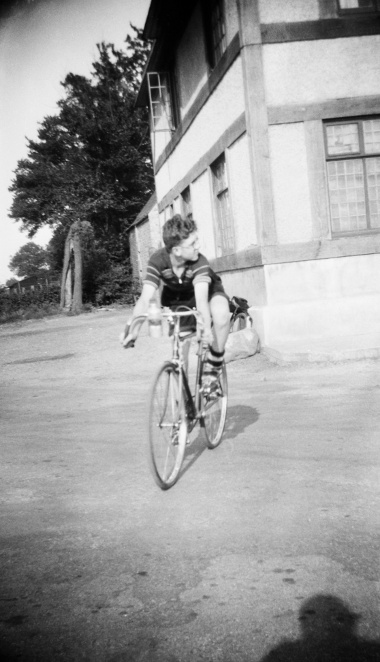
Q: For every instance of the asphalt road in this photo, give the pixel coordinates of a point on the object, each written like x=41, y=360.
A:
x=266, y=550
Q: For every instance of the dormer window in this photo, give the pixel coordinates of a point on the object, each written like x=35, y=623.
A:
x=160, y=100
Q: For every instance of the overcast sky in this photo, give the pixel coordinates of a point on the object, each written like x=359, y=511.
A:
x=38, y=47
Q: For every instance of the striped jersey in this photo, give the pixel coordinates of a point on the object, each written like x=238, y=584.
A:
x=160, y=269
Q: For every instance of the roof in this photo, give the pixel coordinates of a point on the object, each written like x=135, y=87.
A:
x=165, y=23
x=165, y=17
x=143, y=214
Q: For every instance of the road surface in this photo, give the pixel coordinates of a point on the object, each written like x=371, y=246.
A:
x=266, y=549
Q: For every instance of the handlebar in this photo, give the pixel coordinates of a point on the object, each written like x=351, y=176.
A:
x=170, y=315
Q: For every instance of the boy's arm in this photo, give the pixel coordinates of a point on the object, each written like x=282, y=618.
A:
x=140, y=308
x=203, y=306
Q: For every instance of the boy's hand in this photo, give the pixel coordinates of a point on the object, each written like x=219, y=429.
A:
x=126, y=339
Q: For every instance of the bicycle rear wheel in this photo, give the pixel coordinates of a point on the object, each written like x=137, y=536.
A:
x=167, y=427
x=214, y=411
x=241, y=321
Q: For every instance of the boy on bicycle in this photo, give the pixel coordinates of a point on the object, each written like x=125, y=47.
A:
x=188, y=280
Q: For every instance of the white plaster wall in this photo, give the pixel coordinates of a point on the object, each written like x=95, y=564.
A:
x=322, y=279
x=191, y=62
x=247, y=283
x=311, y=71
x=278, y=11
x=177, y=205
x=307, y=321
x=319, y=299
x=290, y=183
x=240, y=185
x=222, y=108
x=159, y=140
x=202, y=214
x=191, y=59
x=155, y=228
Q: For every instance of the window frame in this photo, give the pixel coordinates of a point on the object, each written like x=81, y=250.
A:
x=166, y=83
x=209, y=7
x=349, y=11
x=186, y=204
x=222, y=230
x=360, y=155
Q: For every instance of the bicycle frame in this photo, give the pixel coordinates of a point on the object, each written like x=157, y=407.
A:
x=180, y=358
x=178, y=354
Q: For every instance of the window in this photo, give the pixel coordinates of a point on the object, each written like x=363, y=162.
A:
x=218, y=29
x=169, y=212
x=161, y=101
x=353, y=173
x=225, y=231
x=187, y=211
x=215, y=26
x=355, y=6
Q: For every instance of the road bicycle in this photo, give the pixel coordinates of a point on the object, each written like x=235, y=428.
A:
x=176, y=407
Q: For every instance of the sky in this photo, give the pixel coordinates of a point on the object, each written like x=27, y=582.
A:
x=39, y=45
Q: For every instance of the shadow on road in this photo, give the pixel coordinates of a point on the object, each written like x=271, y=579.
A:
x=239, y=418
x=327, y=635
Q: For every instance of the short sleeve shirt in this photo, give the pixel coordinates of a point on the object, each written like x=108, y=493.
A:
x=160, y=269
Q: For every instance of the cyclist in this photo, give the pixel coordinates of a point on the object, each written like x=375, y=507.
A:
x=188, y=280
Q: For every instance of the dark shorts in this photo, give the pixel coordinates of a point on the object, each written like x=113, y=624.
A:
x=176, y=300
x=172, y=299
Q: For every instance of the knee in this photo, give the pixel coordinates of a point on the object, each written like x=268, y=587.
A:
x=221, y=314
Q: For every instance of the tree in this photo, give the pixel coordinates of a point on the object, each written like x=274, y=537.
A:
x=9, y=7
x=30, y=260
x=91, y=164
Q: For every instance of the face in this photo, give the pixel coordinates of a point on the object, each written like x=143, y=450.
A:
x=188, y=249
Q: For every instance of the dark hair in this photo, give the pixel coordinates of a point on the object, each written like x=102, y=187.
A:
x=177, y=229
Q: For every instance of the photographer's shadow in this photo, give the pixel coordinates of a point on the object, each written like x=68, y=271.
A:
x=327, y=635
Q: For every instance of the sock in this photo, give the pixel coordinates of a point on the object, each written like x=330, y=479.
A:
x=214, y=362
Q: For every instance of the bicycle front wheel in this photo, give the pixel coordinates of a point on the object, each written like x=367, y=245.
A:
x=167, y=427
x=214, y=411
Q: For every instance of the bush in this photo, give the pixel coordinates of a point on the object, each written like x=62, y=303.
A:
x=29, y=305
x=116, y=285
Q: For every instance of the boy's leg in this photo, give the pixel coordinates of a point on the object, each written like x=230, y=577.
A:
x=220, y=314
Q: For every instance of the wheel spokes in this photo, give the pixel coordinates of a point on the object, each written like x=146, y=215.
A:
x=167, y=428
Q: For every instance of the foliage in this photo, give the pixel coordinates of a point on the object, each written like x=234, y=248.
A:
x=29, y=305
x=10, y=7
x=30, y=260
x=91, y=162
x=10, y=281
x=117, y=285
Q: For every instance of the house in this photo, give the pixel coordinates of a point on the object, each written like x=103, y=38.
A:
x=31, y=284
x=144, y=237
x=265, y=126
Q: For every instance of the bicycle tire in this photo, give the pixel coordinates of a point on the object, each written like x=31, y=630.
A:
x=214, y=412
x=241, y=321
x=167, y=427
